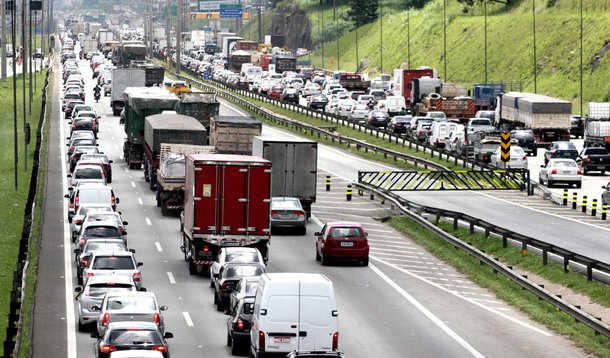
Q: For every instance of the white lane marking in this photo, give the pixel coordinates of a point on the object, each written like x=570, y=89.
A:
x=148, y=221
x=70, y=317
x=428, y=280
x=158, y=245
x=451, y=333
x=343, y=207
x=377, y=230
x=350, y=215
x=126, y=170
x=187, y=318
x=140, y=201
x=133, y=184
x=172, y=280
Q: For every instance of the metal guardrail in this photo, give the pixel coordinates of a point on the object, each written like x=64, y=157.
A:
x=415, y=211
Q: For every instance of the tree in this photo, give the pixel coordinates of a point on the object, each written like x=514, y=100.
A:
x=363, y=11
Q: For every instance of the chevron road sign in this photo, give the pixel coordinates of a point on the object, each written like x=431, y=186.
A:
x=505, y=145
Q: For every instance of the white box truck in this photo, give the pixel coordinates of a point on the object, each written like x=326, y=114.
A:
x=121, y=79
x=294, y=312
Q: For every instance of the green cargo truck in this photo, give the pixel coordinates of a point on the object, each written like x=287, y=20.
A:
x=200, y=105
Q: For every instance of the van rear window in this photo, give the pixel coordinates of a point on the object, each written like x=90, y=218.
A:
x=94, y=196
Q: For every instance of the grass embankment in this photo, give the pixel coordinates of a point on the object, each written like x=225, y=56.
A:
x=11, y=217
x=509, y=45
x=510, y=292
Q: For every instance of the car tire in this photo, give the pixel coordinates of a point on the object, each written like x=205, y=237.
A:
x=303, y=231
x=211, y=283
x=365, y=262
x=540, y=180
x=579, y=185
x=215, y=299
x=535, y=152
x=324, y=260
x=192, y=268
x=549, y=183
x=235, y=350
x=229, y=341
x=219, y=306
x=82, y=327
x=585, y=171
x=318, y=257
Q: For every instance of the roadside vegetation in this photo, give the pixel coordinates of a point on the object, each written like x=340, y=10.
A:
x=538, y=310
x=11, y=217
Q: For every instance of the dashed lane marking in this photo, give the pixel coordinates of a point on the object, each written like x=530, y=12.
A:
x=158, y=245
x=140, y=201
x=148, y=221
x=172, y=280
x=187, y=318
x=133, y=184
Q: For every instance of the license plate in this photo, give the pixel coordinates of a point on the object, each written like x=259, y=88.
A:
x=231, y=243
x=601, y=167
x=285, y=216
x=347, y=244
x=281, y=339
x=566, y=172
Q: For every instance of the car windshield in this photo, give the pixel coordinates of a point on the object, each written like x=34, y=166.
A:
x=100, y=289
x=105, y=246
x=476, y=122
x=251, y=286
x=565, y=146
x=564, y=163
x=345, y=232
x=113, y=263
x=241, y=257
x=516, y=151
x=133, y=336
x=102, y=158
x=101, y=231
x=131, y=303
x=248, y=308
x=88, y=173
x=596, y=151
x=243, y=271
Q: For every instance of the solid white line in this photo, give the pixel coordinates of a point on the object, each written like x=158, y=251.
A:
x=439, y=286
x=148, y=221
x=350, y=215
x=343, y=207
x=133, y=184
x=158, y=245
x=377, y=230
x=70, y=317
x=172, y=280
x=187, y=318
x=451, y=333
x=140, y=201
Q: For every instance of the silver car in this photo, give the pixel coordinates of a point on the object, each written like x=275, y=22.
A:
x=79, y=216
x=83, y=255
x=288, y=213
x=91, y=296
x=560, y=170
x=360, y=113
x=518, y=158
x=130, y=306
x=244, y=255
x=246, y=287
x=119, y=263
x=87, y=173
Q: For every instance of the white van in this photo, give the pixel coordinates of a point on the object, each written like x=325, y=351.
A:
x=440, y=131
x=244, y=68
x=396, y=105
x=253, y=73
x=294, y=311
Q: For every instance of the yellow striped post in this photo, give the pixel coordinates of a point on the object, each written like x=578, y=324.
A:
x=328, y=183
x=565, y=197
x=348, y=192
x=594, y=208
x=604, y=211
x=574, y=200
x=584, y=204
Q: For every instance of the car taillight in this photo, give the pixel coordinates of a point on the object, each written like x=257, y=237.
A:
x=71, y=148
x=524, y=158
x=224, y=286
x=136, y=277
x=485, y=157
x=159, y=348
x=157, y=319
x=84, y=261
x=274, y=212
x=78, y=222
x=335, y=341
x=112, y=199
x=299, y=213
x=261, y=340
x=240, y=325
x=579, y=172
x=105, y=319
x=107, y=349
x=81, y=242
x=554, y=171
x=90, y=274
x=73, y=126
x=588, y=159
x=206, y=249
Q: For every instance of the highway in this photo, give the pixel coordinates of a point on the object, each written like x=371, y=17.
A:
x=406, y=303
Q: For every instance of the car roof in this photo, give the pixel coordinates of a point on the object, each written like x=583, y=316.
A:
x=132, y=293
x=110, y=278
x=343, y=224
x=100, y=222
x=132, y=324
x=114, y=253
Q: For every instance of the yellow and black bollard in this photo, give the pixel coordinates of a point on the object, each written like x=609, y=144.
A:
x=565, y=197
x=328, y=183
x=594, y=208
x=604, y=211
x=574, y=200
x=348, y=192
x=584, y=204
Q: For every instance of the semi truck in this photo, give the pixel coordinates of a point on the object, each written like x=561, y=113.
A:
x=285, y=63
x=214, y=217
x=354, y=82
x=171, y=175
x=547, y=117
x=200, y=105
x=104, y=35
x=234, y=134
x=295, y=167
x=168, y=127
x=403, y=78
x=228, y=44
x=597, y=125
x=141, y=102
x=88, y=45
x=154, y=74
x=238, y=58
x=121, y=79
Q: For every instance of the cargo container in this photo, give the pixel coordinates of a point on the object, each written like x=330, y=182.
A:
x=597, y=125
x=215, y=217
x=234, y=134
x=295, y=167
x=547, y=117
x=121, y=79
x=403, y=78
x=141, y=102
x=275, y=40
x=200, y=105
x=170, y=128
x=228, y=44
x=171, y=174
x=154, y=74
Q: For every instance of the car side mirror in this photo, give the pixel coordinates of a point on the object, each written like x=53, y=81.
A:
x=125, y=223
x=163, y=308
x=133, y=251
x=124, y=232
x=97, y=145
x=110, y=162
x=168, y=335
x=116, y=200
x=69, y=175
x=69, y=122
x=317, y=234
x=68, y=144
x=94, y=334
x=96, y=308
x=142, y=289
x=604, y=187
x=140, y=264
x=78, y=251
x=215, y=275
x=542, y=166
x=67, y=196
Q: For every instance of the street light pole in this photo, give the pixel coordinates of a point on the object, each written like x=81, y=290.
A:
x=357, y=56
x=409, y=37
x=535, y=61
x=381, y=35
x=15, y=116
x=485, y=12
x=445, y=40
x=581, y=93
x=3, y=41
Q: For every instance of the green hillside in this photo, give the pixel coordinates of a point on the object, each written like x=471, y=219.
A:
x=510, y=44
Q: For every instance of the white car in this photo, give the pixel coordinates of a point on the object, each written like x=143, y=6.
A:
x=518, y=158
x=234, y=254
x=360, y=113
x=311, y=89
x=345, y=107
x=331, y=105
x=560, y=170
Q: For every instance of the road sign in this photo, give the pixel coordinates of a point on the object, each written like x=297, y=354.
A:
x=505, y=145
x=231, y=11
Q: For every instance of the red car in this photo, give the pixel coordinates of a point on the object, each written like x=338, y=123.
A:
x=342, y=241
x=276, y=91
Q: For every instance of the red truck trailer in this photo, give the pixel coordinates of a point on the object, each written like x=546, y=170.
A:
x=226, y=203
x=403, y=79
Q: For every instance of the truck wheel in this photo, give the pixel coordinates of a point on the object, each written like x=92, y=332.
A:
x=164, y=210
x=578, y=185
x=192, y=268
x=151, y=185
x=219, y=305
x=325, y=261
x=159, y=204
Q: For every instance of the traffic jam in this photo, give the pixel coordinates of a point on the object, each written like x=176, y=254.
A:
x=186, y=175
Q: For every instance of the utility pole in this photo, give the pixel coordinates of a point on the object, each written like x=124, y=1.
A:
x=24, y=72
x=535, y=60
x=15, y=116
x=3, y=41
x=168, y=34
x=260, y=25
x=179, y=35
x=409, y=37
x=445, y=40
x=381, y=35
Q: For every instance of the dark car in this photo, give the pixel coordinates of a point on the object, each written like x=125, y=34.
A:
x=318, y=102
x=342, y=241
x=78, y=152
x=70, y=107
x=290, y=95
x=78, y=142
x=100, y=157
x=238, y=326
x=84, y=124
x=577, y=126
x=561, y=149
x=399, y=124
x=525, y=139
x=415, y=121
x=594, y=159
x=378, y=118
x=228, y=276
x=123, y=336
